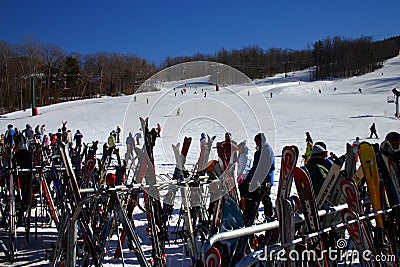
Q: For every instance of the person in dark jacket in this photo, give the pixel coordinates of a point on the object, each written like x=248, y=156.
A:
x=259, y=170
x=308, y=138
x=316, y=167
x=118, y=132
x=373, y=131
x=78, y=140
x=9, y=136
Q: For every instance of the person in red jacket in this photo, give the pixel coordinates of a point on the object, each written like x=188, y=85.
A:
x=355, y=146
x=158, y=129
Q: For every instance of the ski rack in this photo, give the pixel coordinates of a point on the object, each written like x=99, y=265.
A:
x=298, y=218
x=73, y=228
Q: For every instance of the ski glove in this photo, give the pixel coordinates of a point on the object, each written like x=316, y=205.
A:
x=240, y=178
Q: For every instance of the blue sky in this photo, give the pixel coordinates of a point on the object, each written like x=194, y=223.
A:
x=155, y=29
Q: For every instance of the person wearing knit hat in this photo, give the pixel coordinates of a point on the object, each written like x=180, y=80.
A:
x=318, y=150
x=394, y=139
x=316, y=167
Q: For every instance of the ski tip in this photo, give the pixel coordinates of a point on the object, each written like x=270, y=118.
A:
x=212, y=258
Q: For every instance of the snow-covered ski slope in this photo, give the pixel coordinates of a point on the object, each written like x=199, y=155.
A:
x=296, y=106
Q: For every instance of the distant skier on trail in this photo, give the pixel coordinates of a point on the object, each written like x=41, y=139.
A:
x=372, y=129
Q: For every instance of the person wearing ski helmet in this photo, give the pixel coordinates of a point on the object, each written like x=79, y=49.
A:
x=316, y=167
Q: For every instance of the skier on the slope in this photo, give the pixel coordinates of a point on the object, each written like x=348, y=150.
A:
x=118, y=132
x=158, y=130
x=373, y=131
x=137, y=136
x=355, y=146
x=130, y=144
x=78, y=140
x=64, y=127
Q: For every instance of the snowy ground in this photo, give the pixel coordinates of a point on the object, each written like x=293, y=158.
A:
x=296, y=106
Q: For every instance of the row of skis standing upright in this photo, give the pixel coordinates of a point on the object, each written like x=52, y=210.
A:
x=370, y=214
